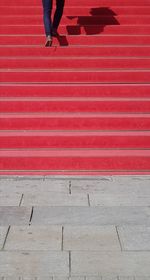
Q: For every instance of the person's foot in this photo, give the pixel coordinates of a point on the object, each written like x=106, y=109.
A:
x=48, y=41
x=55, y=32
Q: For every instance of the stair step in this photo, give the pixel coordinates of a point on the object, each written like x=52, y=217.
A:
x=77, y=122
x=78, y=40
x=72, y=106
x=17, y=27
x=78, y=3
x=95, y=160
x=77, y=10
x=76, y=90
x=88, y=20
x=72, y=140
x=74, y=63
x=97, y=76
x=90, y=51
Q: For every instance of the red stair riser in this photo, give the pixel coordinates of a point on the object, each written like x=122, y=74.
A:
x=68, y=122
x=84, y=3
x=78, y=63
x=81, y=40
x=75, y=141
x=35, y=29
x=78, y=163
x=90, y=20
x=112, y=12
x=118, y=51
x=61, y=90
x=73, y=11
x=76, y=77
x=75, y=106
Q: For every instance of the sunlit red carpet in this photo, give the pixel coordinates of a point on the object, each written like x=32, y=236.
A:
x=83, y=105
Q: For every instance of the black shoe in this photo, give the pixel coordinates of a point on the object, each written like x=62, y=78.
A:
x=48, y=41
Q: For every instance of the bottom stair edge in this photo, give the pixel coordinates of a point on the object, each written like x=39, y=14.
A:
x=64, y=174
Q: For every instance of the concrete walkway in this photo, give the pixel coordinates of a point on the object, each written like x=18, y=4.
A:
x=95, y=228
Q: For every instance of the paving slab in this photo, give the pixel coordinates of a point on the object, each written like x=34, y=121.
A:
x=26, y=278
x=102, y=278
x=135, y=238
x=3, y=233
x=142, y=278
x=100, y=199
x=30, y=264
x=34, y=238
x=91, y=215
x=69, y=278
x=18, y=183
x=95, y=238
x=120, y=263
x=122, y=186
x=10, y=199
x=54, y=199
x=89, y=185
x=132, y=179
x=109, y=278
x=12, y=215
x=126, y=278
x=34, y=185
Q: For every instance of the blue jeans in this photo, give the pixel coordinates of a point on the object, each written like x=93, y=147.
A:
x=47, y=11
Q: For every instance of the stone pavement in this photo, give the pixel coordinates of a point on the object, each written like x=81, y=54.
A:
x=78, y=228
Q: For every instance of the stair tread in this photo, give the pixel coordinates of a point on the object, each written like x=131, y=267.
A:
x=74, y=115
x=74, y=134
x=75, y=153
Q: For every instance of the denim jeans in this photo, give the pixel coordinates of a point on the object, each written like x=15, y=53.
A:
x=47, y=11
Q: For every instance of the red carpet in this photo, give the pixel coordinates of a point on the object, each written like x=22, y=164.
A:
x=82, y=106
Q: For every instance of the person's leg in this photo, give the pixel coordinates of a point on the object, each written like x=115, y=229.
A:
x=58, y=14
x=47, y=10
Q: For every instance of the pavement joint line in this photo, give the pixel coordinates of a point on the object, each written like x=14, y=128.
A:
x=119, y=238
x=88, y=197
x=70, y=264
x=70, y=187
x=21, y=200
x=31, y=216
x=6, y=238
x=62, y=243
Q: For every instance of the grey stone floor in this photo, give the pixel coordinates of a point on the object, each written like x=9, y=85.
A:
x=78, y=228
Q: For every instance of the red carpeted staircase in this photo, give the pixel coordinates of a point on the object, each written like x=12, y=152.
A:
x=83, y=105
